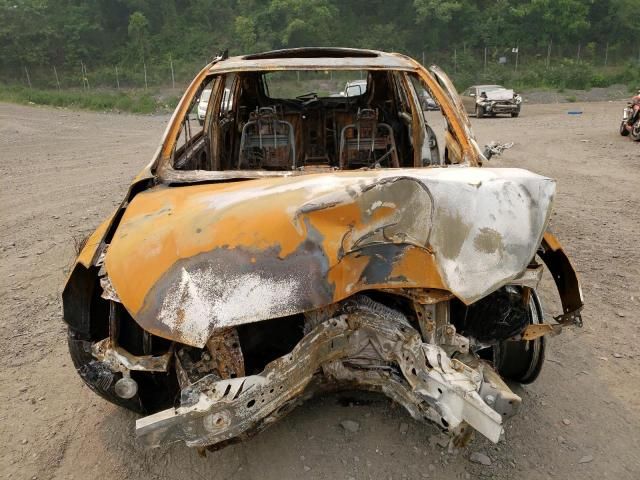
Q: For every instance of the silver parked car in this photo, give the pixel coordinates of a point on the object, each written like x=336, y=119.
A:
x=354, y=88
x=491, y=100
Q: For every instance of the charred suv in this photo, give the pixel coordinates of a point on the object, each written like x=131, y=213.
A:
x=298, y=243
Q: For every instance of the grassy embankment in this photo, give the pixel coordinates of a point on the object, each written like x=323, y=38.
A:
x=134, y=101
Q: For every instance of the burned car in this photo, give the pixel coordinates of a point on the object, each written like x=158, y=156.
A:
x=491, y=100
x=297, y=244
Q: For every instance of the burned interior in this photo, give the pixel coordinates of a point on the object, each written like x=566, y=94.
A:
x=252, y=126
x=294, y=244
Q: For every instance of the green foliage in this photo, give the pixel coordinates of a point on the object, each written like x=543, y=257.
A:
x=132, y=101
x=138, y=30
x=36, y=35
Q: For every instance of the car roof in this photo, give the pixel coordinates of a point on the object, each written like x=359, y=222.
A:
x=487, y=86
x=315, y=58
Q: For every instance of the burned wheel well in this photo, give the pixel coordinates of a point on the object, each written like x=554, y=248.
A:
x=83, y=309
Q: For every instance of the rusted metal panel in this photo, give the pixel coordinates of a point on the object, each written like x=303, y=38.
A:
x=213, y=256
x=120, y=360
x=224, y=347
x=565, y=278
x=90, y=248
x=372, y=60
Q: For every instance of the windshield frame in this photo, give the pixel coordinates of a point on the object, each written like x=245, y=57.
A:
x=163, y=170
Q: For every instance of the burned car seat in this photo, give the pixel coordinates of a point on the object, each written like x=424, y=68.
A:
x=267, y=141
x=367, y=142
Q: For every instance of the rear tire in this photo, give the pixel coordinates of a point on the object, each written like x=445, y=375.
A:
x=521, y=361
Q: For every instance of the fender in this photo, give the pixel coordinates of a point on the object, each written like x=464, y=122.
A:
x=565, y=278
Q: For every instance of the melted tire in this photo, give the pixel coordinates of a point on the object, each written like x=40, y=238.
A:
x=522, y=361
x=95, y=375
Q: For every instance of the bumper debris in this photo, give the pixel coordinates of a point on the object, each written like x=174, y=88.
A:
x=368, y=345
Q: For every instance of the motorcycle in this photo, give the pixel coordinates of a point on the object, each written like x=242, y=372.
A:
x=630, y=124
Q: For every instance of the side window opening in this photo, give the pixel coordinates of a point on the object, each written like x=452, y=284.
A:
x=191, y=150
x=430, y=151
x=225, y=128
x=405, y=117
x=437, y=126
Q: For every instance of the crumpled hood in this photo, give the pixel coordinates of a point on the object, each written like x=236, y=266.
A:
x=500, y=95
x=187, y=260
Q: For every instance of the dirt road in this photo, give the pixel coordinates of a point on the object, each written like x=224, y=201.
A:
x=62, y=172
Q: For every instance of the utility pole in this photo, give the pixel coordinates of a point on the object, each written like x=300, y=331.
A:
x=117, y=79
x=55, y=72
x=517, y=53
x=579, y=45
x=455, y=60
x=173, y=78
x=485, y=59
x=26, y=70
x=606, y=54
x=549, y=54
x=85, y=79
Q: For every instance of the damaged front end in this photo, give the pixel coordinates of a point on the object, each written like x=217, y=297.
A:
x=299, y=245
x=362, y=344
x=401, y=282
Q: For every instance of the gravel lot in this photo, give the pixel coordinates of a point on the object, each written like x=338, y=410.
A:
x=62, y=172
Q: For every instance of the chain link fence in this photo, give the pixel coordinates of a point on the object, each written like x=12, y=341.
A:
x=577, y=66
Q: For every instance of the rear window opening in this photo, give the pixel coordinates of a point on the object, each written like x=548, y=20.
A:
x=288, y=120
x=320, y=83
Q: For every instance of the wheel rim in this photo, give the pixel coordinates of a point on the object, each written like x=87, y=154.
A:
x=522, y=361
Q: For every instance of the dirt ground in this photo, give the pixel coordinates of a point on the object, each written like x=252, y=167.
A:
x=62, y=172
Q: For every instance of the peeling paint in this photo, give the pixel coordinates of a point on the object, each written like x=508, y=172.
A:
x=317, y=240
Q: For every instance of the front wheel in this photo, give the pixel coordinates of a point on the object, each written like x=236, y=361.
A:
x=96, y=375
x=623, y=129
x=521, y=361
x=635, y=131
x=479, y=111
x=515, y=114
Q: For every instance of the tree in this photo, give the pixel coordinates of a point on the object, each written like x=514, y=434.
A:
x=297, y=23
x=245, y=31
x=138, y=31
